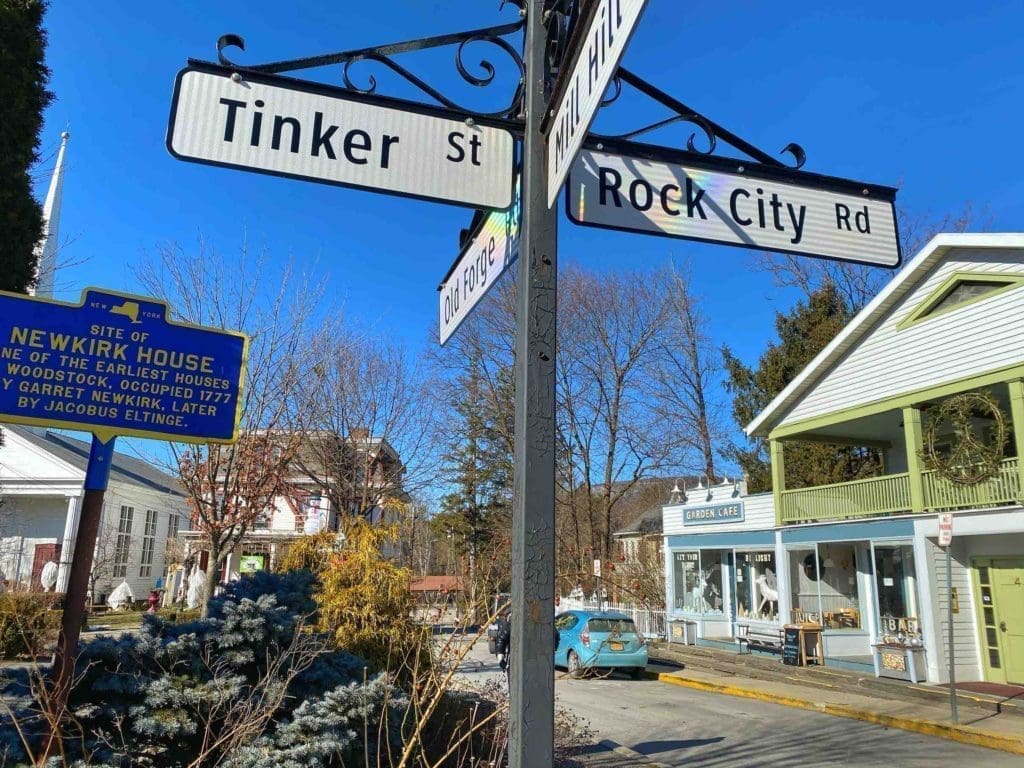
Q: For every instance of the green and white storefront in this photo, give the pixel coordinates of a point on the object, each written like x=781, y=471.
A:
x=861, y=558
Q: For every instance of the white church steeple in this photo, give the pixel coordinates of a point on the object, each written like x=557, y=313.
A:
x=46, y=250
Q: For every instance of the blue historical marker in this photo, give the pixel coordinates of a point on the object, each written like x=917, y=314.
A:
x=116, y=365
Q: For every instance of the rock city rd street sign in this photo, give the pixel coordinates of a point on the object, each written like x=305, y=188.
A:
x=309, y=131
x=491, y=250
x=804, y=214
x=605, y=36
x=116, y=365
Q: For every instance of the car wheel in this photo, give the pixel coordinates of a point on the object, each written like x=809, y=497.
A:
x=574, y=665
x=637, y=673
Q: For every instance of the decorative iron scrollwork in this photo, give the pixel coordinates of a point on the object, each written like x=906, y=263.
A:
x=383, y=55
x=712, y=132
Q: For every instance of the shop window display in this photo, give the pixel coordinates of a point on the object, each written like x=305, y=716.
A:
x=896, y=587
x=837, y=584
x=686, y=570
x=698, y=582
x=757, y=589
x=712, y=596
x=804, y=567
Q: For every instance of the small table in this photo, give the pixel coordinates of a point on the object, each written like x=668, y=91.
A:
x=807, y=637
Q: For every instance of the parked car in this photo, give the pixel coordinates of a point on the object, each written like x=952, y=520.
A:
x=588, y=640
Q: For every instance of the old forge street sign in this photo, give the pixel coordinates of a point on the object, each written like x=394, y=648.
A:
x=116, y=365
x=305, y=130
x=735, y=203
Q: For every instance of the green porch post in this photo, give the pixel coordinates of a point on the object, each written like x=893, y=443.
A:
x=778, y=476
x=914, y=435
x=1017, y=415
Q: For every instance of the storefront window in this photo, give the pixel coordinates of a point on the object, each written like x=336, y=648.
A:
x=686, y=571
x=803, y=585
x=712, y=596
x=896, y=586
x=823, y=581
x=757, y=590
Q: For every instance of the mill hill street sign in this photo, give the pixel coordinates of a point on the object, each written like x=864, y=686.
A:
x=735, y=203
x=305, y=130
x=605, y=34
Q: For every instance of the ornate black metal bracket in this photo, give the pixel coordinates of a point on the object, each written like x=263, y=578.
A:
x=382, y=54
x=712, y=131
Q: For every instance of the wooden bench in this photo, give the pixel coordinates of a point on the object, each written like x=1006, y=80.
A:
x=762, y=639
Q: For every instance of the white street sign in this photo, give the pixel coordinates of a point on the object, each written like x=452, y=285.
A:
x=490, y=252
x=945, y=529
x=603, y=44
x=309, y=131
x=597, y=567
x=809, y=218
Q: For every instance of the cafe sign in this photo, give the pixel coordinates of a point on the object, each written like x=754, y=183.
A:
x=717, y=513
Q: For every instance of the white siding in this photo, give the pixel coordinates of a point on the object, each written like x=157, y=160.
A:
x=887, y=362
x=965, y=635
x=758, y=513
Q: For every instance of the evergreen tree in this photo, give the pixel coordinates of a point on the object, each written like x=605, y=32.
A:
x=475, y=515
x=804, y=332
x=23, y=77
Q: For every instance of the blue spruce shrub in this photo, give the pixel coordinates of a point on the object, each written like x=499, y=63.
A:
x=150, y=699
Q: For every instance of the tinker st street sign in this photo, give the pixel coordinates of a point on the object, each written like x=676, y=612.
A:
x=491, y=250
x=736, y=203
x=604, y=36
x=305, y=130
x=116, y=365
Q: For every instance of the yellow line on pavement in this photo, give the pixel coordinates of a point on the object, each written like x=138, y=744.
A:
x=953, y=732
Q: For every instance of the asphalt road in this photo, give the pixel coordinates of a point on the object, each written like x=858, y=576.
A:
x=674, y=726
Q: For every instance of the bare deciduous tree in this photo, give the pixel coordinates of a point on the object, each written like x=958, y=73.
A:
x=228, y=487
x=857, y=284
x=368, y=438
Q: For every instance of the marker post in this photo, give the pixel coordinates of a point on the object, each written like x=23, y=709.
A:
x=97, y=474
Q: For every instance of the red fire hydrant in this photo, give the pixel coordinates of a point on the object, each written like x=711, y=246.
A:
x=154, y=601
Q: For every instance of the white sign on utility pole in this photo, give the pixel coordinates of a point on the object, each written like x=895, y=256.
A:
x=945, y=529
x=787, y=211
x=492, y=250
x=315, y=132
x=605, y=34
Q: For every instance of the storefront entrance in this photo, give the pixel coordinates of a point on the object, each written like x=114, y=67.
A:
x=1000, y=590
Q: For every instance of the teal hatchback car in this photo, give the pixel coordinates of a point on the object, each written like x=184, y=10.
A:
x=592, y=640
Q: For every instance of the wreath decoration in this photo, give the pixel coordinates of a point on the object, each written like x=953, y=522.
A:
x=971, y=459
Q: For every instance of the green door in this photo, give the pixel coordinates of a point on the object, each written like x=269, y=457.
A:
x=1008, y=588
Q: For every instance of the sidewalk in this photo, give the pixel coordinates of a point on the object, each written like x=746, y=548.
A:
x=989, y=721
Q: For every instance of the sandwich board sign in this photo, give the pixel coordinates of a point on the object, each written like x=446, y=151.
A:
x=115, y=364
x=491, y=250
x=603, y=39
x=735, y=203
x=304, y=130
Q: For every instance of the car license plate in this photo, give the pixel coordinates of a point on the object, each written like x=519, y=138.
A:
x=615, y=646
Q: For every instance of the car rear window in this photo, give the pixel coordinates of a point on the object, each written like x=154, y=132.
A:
x=612, y=625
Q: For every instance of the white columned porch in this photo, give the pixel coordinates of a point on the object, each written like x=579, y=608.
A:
x=67, y=547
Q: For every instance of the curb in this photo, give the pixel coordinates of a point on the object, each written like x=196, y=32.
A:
x=952, y=732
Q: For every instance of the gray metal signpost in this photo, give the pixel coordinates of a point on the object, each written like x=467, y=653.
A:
x=532, y=685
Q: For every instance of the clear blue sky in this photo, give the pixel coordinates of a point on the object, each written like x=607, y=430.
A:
x=928, y=96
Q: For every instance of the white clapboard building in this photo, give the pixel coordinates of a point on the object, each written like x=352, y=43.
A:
x=41, y=477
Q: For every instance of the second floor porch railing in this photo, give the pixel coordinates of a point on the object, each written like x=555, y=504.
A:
x=890, y=494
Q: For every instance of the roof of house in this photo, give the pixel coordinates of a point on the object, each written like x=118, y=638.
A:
x=865, y=320
x=436, y=584
x=648, y=522
x=124, y=469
